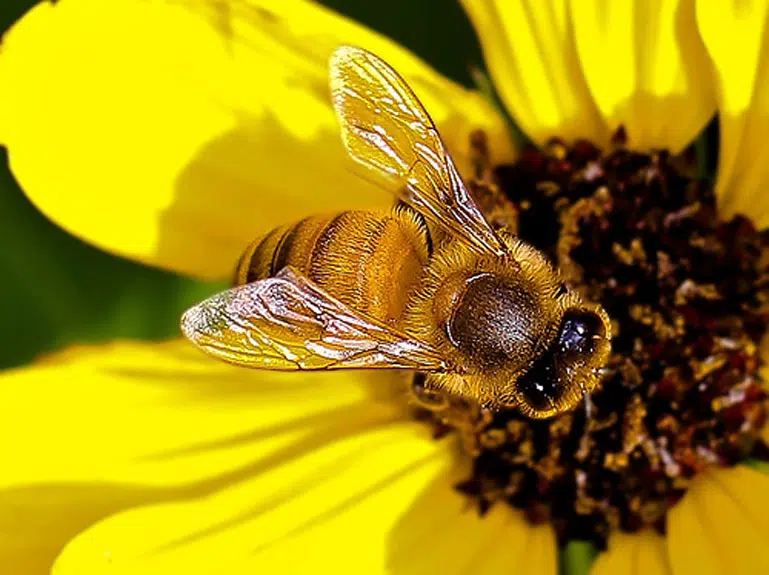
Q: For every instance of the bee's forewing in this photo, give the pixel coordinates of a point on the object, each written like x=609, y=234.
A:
x=288, y=322
x=385, y=127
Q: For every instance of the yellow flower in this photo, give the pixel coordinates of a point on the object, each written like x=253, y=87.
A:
x=174, y=132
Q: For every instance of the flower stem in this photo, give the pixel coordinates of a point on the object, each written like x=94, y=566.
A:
x=577, y=557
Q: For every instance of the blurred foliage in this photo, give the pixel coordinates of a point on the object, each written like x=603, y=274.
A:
x=55, y=290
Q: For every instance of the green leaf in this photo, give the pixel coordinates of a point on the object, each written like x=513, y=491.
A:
x=758, y=465
x=577, y=557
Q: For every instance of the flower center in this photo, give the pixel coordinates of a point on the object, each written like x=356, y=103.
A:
x=688, y=297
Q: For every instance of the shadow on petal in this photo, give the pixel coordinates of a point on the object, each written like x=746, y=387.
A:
x=297, y=177
x=282, y=163
x=218, y=122
x=742, y=175
x=443, y=532
x=293, y=183
x=329, y=508
x=644, y=105
x=37, y=522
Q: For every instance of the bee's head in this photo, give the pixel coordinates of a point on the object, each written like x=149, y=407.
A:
x=567, y=370
x=517, y=334
x=539, y=351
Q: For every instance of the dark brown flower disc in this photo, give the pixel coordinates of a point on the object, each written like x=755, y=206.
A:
x=687, y=293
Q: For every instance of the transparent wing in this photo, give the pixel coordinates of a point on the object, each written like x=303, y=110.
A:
x=385, y=127
x=287, y=322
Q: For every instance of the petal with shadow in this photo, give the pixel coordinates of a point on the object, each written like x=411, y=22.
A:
x=722, y=524
x=737, y=39
x=96, y=430
x=381, y=502
x=531, y=55
x=175, y=132
x=647, y=69
x=643, y=552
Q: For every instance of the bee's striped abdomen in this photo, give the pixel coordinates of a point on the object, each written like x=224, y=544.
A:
x=281, y=247
x=368, y=260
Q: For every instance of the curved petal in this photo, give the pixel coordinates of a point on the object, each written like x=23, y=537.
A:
x=722, y=524
x=647, y=69
x=530, y=52
x=96, y=430
x=163, y=414
x=737, y=39
x=541, y=553
x=381, y=502
x=643, y=552
x=442, y=533
x=176, y=132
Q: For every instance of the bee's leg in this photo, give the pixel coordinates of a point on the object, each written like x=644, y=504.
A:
x=589, y=407
x=425, y=397
x=454, y=412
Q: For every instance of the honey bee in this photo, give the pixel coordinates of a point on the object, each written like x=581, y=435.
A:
x=428, y=285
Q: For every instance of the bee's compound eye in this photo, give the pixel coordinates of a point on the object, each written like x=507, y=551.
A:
x=538, y=387
x=578, y=332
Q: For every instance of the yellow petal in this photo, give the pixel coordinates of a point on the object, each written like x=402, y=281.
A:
x=722, y=524
x=159, y=414
x=643, y=552
x=737, y=40
x=541, y=553
x=530, y=53
x=96, y=430
x=176, y=132
x=380, y=502
x=646, y=67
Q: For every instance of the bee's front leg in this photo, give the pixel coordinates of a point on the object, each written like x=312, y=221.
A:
x=425, y=397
